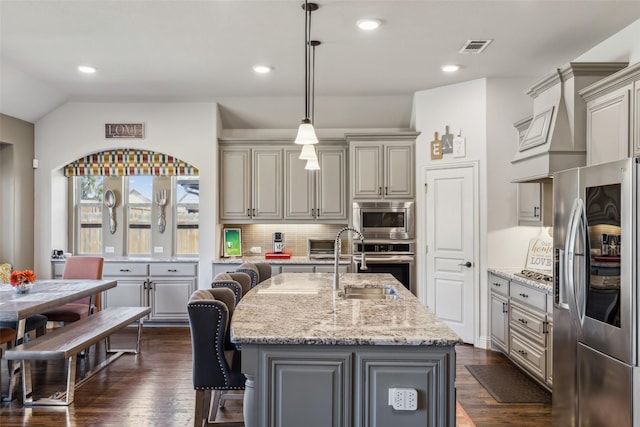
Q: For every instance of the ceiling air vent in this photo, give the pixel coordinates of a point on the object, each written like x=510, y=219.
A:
x=474, y=46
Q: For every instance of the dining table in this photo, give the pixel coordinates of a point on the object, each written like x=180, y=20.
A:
x=43, y=295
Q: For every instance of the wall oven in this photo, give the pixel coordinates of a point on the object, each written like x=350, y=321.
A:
x=392, y=257
x=385, y=220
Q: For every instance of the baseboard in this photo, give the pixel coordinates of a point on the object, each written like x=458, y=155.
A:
x=483, y=342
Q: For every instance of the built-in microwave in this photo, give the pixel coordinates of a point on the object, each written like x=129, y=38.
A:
x=385, y=220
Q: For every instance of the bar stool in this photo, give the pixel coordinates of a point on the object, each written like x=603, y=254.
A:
x=7, y=338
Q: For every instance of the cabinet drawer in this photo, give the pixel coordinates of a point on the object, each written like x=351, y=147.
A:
x=173, y=269
x=528, y=296
x=124, y=269
x=528, y=322
x=499, y=284
x=530, y=356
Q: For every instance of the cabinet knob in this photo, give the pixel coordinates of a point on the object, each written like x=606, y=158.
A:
x=386, y=191
x=248, y=212
x=497, y=284
x=536, y=211
x=524, y=295
x=172, y=270
x=524, y=322
x=125, y=270
x=379, y=191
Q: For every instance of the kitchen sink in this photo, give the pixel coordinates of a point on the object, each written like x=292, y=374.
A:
x=371, y=292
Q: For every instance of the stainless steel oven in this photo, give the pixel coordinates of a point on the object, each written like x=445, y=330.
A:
x=385, y=220
x=396, y=258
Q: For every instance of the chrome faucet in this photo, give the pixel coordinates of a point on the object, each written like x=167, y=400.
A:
x=336, y=254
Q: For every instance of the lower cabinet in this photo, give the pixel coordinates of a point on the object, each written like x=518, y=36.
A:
x=224, y=267
x=521, y=326
x=165, y=287
x=347, y=385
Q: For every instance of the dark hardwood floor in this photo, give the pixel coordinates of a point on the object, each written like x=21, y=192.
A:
x=154, y=388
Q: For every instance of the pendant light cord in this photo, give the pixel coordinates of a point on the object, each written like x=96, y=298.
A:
x=307, y=32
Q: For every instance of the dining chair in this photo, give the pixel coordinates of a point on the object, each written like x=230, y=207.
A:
x=215, y=370
x=238, y=282
x=7, y=339
x=78, y=267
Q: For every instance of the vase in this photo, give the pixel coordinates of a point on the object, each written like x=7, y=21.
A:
x=23, y=288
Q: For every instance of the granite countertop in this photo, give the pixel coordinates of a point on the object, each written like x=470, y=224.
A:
x=275, y=261
x=509, y=273
x=302, y=308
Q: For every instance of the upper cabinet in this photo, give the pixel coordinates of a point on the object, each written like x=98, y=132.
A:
x=267, y=184
x=382, y=166
x=535, y=203
x=316, y=195
x=250, y=183
x=613, y=116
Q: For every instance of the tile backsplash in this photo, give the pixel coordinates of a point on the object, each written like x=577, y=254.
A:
x=295, y=236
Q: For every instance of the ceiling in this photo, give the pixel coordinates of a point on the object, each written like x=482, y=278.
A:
x=183, y=50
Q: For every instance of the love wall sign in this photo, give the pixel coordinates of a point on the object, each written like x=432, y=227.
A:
x=540, y=255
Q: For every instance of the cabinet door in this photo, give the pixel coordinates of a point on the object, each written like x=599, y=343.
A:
x=267, y=184
x=398, y=169
x=636, y=118
x=529, y=203
x=235, y=183
x=169, y=298
x=331, y=188
x=299, y=190
x=500, y=321
x=297, y=268
x=550, y=353
x=366, y=164
x=608, y=127
x=128, y=293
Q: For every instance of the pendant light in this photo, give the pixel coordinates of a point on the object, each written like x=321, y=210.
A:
x=306, y=133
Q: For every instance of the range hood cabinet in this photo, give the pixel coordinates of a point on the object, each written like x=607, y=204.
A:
x=555, y=138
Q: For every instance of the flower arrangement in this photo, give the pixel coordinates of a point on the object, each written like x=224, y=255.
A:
x=18, y=278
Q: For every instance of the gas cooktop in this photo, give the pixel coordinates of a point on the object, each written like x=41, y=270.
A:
x=535, y=275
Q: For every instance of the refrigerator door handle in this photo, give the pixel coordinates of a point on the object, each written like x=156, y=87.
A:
x=569, y=260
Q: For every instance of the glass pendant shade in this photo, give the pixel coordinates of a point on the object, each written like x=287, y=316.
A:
x=308, y=152
x=306, y=133
x=312, y=164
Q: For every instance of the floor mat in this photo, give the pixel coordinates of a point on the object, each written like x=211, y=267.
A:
x=507, y=384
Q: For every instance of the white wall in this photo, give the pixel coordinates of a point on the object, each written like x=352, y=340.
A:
x=187, y=131
x=16, y=192
x=460, y=106
x=485, y=111
x=622, y=46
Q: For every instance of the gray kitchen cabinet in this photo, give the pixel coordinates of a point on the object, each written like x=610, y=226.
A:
x=349, y=384
x=528, y=329
x=382, y=168
x=499, y=312
x=613, y=116
x=250, y=183
x=165, y=287
x=521, y=325
x=281, y=267
x=535, y=204
x=316, y=195
x=170, y=286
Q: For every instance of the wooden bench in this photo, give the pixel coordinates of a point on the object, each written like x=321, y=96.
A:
x=68, y=341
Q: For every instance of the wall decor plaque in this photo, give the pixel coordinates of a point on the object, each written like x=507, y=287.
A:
x=124, y=130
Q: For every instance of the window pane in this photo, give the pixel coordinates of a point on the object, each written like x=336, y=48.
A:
x=140, y=190
x=90, y=214
x=187, y=215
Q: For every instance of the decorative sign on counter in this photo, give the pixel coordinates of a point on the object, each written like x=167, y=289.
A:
x=540, y=255
x=124, y=130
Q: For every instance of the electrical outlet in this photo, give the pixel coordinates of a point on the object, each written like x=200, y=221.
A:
x=403, y=399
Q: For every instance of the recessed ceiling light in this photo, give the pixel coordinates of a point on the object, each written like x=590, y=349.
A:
x=368, y=24
x=262, y=69
x=450, y=68
x=87, y=69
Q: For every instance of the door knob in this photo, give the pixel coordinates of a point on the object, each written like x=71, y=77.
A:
x=466, y=264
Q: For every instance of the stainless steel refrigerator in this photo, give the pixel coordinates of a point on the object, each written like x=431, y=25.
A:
x=595, y=343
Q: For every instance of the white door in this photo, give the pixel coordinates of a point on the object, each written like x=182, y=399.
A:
x=452, y=235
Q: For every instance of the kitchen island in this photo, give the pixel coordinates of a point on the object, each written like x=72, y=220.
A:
x=314, y=357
